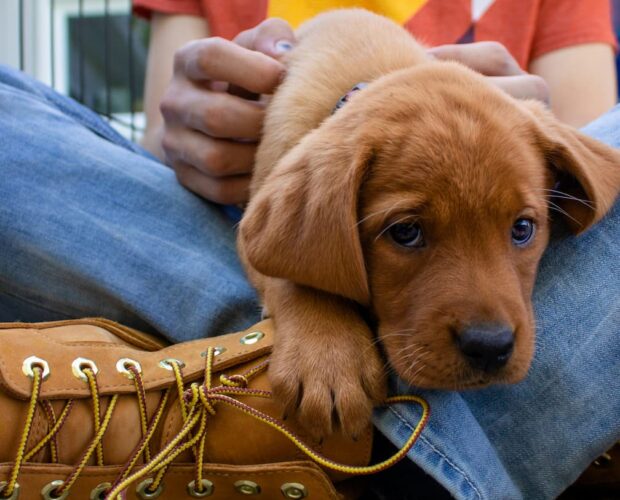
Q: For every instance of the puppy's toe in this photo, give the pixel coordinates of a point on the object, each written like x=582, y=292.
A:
x=359, y=392
x=316, y=410
x=286, y=387
x=353, y=408
x=374, y=379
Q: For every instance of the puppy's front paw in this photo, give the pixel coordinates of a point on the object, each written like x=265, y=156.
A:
x=328, y=384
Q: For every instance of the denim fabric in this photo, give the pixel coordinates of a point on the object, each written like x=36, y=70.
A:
x=92, y=225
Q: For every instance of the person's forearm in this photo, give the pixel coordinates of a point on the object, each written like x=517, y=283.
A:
x=581, y=80
x=168, y=34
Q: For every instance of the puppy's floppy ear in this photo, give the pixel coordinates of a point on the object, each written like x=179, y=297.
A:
x=301, y=225
x=586, y=169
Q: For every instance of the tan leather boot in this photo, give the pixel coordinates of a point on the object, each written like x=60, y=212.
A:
x=600, y=481
x=89, y=408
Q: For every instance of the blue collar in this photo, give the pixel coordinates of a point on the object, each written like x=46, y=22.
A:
x=345, y=98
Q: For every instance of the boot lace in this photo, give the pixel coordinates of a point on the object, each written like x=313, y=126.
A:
x=197, y=404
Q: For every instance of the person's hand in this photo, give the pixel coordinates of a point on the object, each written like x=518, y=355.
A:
x=211, y=124
x=494, y=61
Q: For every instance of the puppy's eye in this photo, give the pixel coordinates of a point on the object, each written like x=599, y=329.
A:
x=523, y=231
x=407, y=234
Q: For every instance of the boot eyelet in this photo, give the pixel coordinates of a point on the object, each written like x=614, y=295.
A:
x=168, y=362
x=216, y=351
x=14, y=495
x=99, y=492
x=207, y=489
x=47, y=493
x=78, y=366
x=142, y=490
x=32, y=361
x=122, y=367
x=603, y=461
x=295, y=491
x=251, y=338
x=247, y=487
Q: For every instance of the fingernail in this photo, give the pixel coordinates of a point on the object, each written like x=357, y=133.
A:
x=430, y=52
x=283, y=46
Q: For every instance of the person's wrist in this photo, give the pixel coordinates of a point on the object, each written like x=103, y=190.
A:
x=152, y=141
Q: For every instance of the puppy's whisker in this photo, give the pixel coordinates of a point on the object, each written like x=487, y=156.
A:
x=402, y=330
x=397, y=334
x=441, y=312
x=407, y=356
x=403, y=218
x=556, y=208
x=419, y=361
x=378, y=212
x=386, y=367
x=413, y=376
x=571, y=198
x=413, y=345
x=378, y=340
x=372, y=346
x=374, y=342
x=567, y=196
x=421, y=350
x=461, y=375
x=418, y=371
x=414, y=370
x=400, y=333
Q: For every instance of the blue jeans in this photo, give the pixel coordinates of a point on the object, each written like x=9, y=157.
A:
x=90, y=224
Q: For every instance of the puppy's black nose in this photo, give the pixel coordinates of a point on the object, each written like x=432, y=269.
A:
x=486, y=347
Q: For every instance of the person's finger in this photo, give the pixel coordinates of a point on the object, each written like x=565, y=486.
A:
x=214, y=113
x=273, y=37
x=523, y=86
x=225, y=190
x=222, y=60
x=488, y=58
x=214, y=157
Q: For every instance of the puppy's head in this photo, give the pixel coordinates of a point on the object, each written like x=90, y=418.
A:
x=427, y=199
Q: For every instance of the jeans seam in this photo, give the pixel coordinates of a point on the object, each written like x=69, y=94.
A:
x=35, y=303
x=436, y=450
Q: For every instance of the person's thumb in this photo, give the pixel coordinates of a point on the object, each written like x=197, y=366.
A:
x=273, y=37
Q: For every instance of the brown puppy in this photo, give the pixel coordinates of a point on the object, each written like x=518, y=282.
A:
x=421, y=207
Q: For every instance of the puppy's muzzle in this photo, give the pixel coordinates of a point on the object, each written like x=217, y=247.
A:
x=486, y=347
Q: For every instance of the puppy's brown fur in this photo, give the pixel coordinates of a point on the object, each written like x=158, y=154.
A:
x=426, y=141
